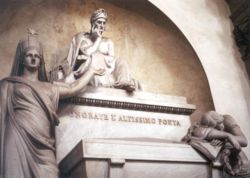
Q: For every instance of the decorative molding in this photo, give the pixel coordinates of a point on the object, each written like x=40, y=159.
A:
x=128, y=105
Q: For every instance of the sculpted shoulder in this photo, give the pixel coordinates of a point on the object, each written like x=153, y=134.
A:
x=229, y=122
x=79, y=36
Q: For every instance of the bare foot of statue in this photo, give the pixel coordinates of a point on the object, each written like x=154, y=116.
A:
x=128, y=86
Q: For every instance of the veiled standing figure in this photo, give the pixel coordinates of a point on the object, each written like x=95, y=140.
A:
x=28, y=105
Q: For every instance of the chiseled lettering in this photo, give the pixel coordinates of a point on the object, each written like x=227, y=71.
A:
x=177, y=123
x=105, y=116
x=147, y=120
x=153, y=121
x=138, y=119
x=84, y=115
x=77, y=114
x=90, y=115
x=131, y=119
x=124, y=118
x=169, y=122
x=113, y=117
x=96, y=117
x=120, y=118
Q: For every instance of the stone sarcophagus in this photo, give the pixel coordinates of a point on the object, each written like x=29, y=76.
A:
x=113, y=113
x=140, y=158
x=115, y=134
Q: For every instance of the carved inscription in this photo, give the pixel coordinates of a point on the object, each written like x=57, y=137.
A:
x=125, y=118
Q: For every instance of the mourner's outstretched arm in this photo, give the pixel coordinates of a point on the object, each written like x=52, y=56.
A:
x=68, y=90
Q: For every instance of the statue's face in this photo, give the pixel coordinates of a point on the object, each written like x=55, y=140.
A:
x=99, y=25
x=32, y=59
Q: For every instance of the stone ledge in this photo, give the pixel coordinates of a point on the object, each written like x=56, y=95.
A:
x=129, y=106
x=139, y=101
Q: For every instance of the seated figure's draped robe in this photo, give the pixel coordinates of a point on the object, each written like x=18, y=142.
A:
x=116, y=70
x=27, y=124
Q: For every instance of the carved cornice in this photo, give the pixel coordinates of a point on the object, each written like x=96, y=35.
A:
x=128, y=105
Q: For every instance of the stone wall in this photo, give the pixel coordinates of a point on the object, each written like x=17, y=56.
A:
x=208, y=28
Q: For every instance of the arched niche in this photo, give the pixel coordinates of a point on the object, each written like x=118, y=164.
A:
x=158, y=53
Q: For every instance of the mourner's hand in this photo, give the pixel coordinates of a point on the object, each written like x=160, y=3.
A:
x=77, y=73
x=216, y=142
x=81, y=69
x=234, y=143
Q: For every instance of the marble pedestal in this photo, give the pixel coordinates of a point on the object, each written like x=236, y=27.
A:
x=113, y=113
x=127, y=158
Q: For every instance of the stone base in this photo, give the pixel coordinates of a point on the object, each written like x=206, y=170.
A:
x=111, y=158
